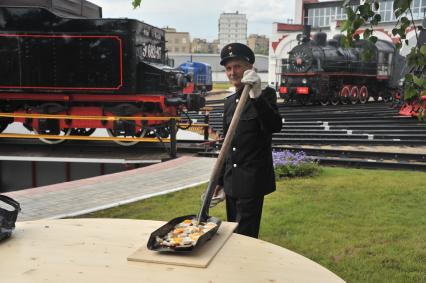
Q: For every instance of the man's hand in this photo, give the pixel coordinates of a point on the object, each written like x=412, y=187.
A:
x=250, y=77
x=218, y=196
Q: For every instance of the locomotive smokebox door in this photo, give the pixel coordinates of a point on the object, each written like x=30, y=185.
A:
x=125, y=128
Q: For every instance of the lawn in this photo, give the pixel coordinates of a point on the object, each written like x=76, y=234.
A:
x=364, y=225
x=221, y=85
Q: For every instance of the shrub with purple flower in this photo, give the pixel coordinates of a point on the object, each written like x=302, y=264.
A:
x=294, y=164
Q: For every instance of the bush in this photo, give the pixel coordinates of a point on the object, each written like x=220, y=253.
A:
x=298, y=164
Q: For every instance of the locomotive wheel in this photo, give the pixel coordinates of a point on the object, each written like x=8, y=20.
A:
x=344, y=94
x=65, y=132
x=335, y=99
x=386, y=97
x=324, y=101
x=82, y=131
x=139, y=134
x=286, y=99
x=354, y=95
x=304, y=99
x=363, y=94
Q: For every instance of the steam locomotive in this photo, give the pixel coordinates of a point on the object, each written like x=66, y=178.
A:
x=74, y=66
x=321, y=70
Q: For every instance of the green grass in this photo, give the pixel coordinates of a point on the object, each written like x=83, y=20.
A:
x=221, y=86
x=364, y=225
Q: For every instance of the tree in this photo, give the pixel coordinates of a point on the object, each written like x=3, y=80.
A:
x=366, y=14
x=136, y=3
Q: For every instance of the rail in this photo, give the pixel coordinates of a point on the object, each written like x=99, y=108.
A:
x=89, y=117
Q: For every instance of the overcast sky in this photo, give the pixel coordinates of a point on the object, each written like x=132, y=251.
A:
x=200, y=17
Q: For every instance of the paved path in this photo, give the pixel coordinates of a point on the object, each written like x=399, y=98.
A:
x=92, y=194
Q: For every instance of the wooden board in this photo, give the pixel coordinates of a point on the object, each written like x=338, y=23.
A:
x=200, y=257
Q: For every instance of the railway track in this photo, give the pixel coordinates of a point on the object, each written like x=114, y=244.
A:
x=355, y=158
x=373, y=124
x=374, y=135
x=369, y=136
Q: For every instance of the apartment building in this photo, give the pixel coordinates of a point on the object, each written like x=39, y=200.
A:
x=232, y=28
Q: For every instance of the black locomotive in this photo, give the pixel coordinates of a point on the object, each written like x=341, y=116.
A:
x=86, y=67
x=321, y=70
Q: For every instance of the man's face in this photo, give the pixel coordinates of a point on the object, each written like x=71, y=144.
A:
x=235, y=69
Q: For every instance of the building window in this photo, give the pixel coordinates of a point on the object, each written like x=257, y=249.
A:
x=419, y=9
x=310, y=20
x=386, y=11
x=327, y=16
x=340, y=13
x=416, y=8
x=321, y=17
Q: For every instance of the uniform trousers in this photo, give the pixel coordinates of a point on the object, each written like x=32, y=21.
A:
x=246, y=212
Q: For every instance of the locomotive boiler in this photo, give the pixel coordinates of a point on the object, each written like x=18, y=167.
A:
x=97, y=67
x=324, y=71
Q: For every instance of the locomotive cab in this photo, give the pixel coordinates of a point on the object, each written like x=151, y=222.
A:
x=385, y=53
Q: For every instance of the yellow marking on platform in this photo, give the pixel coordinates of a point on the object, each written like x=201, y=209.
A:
x=53, y=137
x=107, y=118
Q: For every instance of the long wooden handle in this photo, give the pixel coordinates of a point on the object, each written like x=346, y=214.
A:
x=204, y=211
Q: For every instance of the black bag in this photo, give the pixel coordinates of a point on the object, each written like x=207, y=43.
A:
x=8, y=217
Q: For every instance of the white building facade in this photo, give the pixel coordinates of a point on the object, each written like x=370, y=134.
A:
x=232, y=28
x=325, y=16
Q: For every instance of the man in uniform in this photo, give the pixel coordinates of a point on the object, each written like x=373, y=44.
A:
x=248, y=173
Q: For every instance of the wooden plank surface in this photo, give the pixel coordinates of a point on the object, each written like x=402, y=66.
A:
x=95, y=250
x=200, y=257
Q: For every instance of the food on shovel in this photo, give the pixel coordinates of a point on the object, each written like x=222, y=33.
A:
x=185, y=234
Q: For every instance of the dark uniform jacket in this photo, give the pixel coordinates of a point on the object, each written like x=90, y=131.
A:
x=248, y=170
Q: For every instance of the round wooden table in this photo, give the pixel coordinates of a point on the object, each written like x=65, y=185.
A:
x=96, y=250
